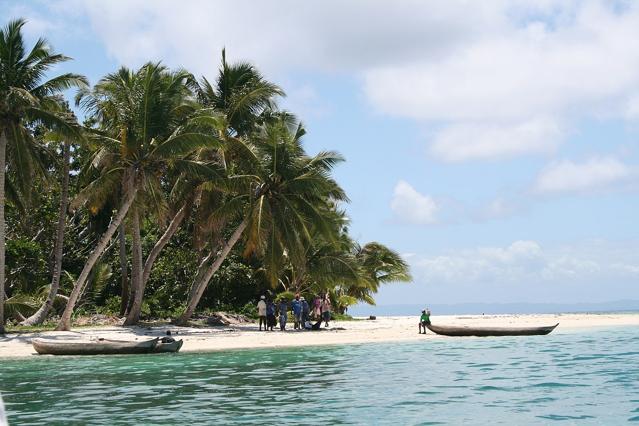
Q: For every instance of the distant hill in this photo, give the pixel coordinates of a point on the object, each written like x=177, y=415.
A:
x=496, y=308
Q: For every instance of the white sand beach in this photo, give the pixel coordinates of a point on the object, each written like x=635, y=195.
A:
x=383, y=329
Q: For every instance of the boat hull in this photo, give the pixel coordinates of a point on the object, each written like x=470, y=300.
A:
x=94, y=347
x=447, y=330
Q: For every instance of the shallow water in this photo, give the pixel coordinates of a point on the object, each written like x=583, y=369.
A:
x=575, y=377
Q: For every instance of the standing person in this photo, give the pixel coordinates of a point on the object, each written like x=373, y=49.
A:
x=261, y=312
x=283, y=307
x=296, y=307
x=317, y=308
x=270, y=314
x=306, y=310
x=326, y=309
x=424, y=320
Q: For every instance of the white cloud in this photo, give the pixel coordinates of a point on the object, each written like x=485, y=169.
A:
x=521, y=71
x=528, y=263
x=482, y=72
x=470, y=141
x=594, y=174
x=412, y=207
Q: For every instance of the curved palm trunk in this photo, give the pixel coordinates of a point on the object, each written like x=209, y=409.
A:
x=199, y=287
x=3, y=150
x=162, y=242
x=133, y=316
x=137, y=290
x=42, y=313
x=124, y=303
x=80, y=284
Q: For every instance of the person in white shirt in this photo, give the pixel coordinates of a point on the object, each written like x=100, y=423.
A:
x=261, y=312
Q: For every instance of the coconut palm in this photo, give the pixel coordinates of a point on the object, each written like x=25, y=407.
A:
x=239, y=96
x=279, y=199
x=378, y=265
x=40, y=315
x=144, y=125
x=26, y=97
x=240, y=92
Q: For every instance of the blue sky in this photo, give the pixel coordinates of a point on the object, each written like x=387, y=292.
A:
x=493, y=144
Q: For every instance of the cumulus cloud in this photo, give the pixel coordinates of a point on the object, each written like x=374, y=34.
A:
x=594, y=174
x=527, y=262
x=482, y=72
x=412, y=207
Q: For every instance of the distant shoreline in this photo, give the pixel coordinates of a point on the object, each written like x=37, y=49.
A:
x=383, y=329
x=618, y=306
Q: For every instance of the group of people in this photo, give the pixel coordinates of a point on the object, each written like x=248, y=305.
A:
x=303, y=312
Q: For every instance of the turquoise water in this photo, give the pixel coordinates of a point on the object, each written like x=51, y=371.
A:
x=585, y=377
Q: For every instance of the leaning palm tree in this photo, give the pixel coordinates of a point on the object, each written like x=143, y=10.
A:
x=40, y=315
x=145, y=124
x=280, y=197
x=239, y=96
x=26, y=97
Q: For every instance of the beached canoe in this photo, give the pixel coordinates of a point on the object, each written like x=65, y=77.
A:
x=455, y=330
x=93, y=347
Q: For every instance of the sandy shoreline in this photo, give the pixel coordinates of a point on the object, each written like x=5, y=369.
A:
x=384, y=329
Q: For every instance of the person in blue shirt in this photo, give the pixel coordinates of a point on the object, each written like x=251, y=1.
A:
x=283, y=308
x=296, y=306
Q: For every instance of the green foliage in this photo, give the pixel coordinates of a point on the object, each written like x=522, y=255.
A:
x=221, y=148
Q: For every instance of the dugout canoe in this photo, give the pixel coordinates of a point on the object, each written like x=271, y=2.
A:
x=456, y=330
x=93, y=347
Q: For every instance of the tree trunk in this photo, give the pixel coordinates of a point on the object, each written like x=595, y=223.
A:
x=124, y=303
x=41, y=314
x=137, y=291
x=80, y=284
x=133, y=314
x=162, y=242
x=3, y=163
x=199, y=287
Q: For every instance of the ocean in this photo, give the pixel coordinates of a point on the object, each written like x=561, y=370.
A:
x=570, y=376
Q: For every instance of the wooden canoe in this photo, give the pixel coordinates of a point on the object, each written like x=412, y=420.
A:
x=450, y=330
x=168, y=346
x=93, y=347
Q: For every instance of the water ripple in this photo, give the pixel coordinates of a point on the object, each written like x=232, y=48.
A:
x=571, y=377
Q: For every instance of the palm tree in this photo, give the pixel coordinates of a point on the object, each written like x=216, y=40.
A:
x=145, y=125
x=25, y=97
x=240, y=95
x=40, y=315
x=280, y=197
x=378, y=265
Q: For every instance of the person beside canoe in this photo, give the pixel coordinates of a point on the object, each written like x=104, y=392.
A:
x=424, y=320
